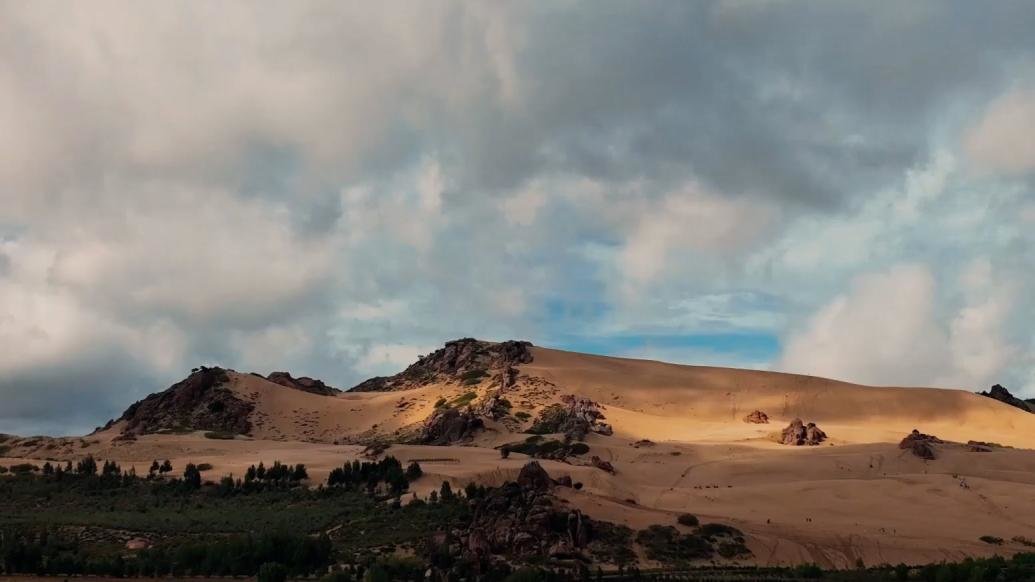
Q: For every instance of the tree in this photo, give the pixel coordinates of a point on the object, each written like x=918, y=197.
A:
x=166, y=467
x=87, y=466
x=504, y=452
x=413, y=471
x=299, y=474
x=192, y=476
x=48, y=469
x=446, y=492
x=154, y=469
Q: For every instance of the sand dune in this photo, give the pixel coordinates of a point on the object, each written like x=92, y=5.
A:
x=856, y=496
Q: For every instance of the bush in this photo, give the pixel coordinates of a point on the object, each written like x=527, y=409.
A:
x=272, y=572
x=472, y=377
x=204, y=466
x=522, y=415
x=220, y=435
x=3, y=469
x=688, y=520
x=464, y=399
x=665, y=544
x=987, y=539
x=23, y=468
x=441, y=402
x=809, y=571
x=578, y=449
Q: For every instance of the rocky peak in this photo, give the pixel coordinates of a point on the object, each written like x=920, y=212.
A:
x=200, y=401
x=1000, y=393
x=303, y=383
x=459, y=360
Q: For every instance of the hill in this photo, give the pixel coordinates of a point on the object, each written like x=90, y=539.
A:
x=654, y=441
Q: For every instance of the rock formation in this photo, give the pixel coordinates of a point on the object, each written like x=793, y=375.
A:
x=303, y=383
x=574, y=416
x=461, y=360
x=447, y=426
x=199, y=402
x=757, y=417
x=919, y=444
x=998, y=392
x=799, y=434
x=523, y=518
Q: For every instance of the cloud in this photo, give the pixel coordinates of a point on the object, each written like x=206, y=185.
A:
x=1000, y=141
x=886, y=330
x=316, y=187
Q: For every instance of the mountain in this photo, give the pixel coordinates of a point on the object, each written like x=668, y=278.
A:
x=882, y=474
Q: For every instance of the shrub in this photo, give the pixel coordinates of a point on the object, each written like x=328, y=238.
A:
x=204, y=466
x=712, y=530
x=464, y=399
x=688, y=520
x=550, y=420
x=23, y=468
x=413, y=471
x=3, y=469
x=272, y=572
x=665, y=544
x=220, y=435
x=522, y=415
x=992, y=540
x=808, y=571
x=578, y=449
x=441, y=402
x=472, y=377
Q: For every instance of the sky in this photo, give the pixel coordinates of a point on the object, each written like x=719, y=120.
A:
x=845, y=189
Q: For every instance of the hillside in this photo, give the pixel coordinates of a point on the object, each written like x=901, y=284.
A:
x=661, y=439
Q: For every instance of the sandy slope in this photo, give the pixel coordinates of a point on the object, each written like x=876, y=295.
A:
x=856, y=497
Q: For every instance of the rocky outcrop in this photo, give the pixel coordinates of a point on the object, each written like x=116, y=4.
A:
x=303, y=383
x=602, y=464
x=919, y=444
x=757, y=417
x=574, y=416
x=464, y=360
x=448, y=426
x=199, y=402
x=493, y=406
x=523, y=518
x=1003, y=395
x=800, y=434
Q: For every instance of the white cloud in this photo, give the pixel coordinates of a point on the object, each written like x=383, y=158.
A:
x=1001, y=140
x=886, y=330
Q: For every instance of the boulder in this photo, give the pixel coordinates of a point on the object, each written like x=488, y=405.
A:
x=919, y=444
x=447, y=426
x=757, y=417
x=800, y=434
x=602, y=464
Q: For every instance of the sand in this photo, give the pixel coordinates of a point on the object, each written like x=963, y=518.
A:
x=855, y=497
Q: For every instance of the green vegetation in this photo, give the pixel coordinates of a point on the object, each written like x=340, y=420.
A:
x=441, y=402
x=220, y=435
x=688, y=520
x=537, y=447
x=550, y=420
x=665, y=544
x=472, y=377
x=522, y=415
x=992, y=540
x=464, y=399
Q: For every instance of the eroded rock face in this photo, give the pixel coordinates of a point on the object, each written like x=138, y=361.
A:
x=458, y=360
x=757, y=417
x=919, y=444
x=199, y=402
x=447, y=426
x=576, y=417
x=800, y=434
x=998, y=392
x=303, y=383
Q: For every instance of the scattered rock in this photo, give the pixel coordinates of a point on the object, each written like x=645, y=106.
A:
x=458, y=360
x=643, y=443
x=494, y=406
x=303, y=383
x=447, y=426
x=799, y=434
x=919, y=444
x=602, y=464
x=757, y=417
x=998, y=392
